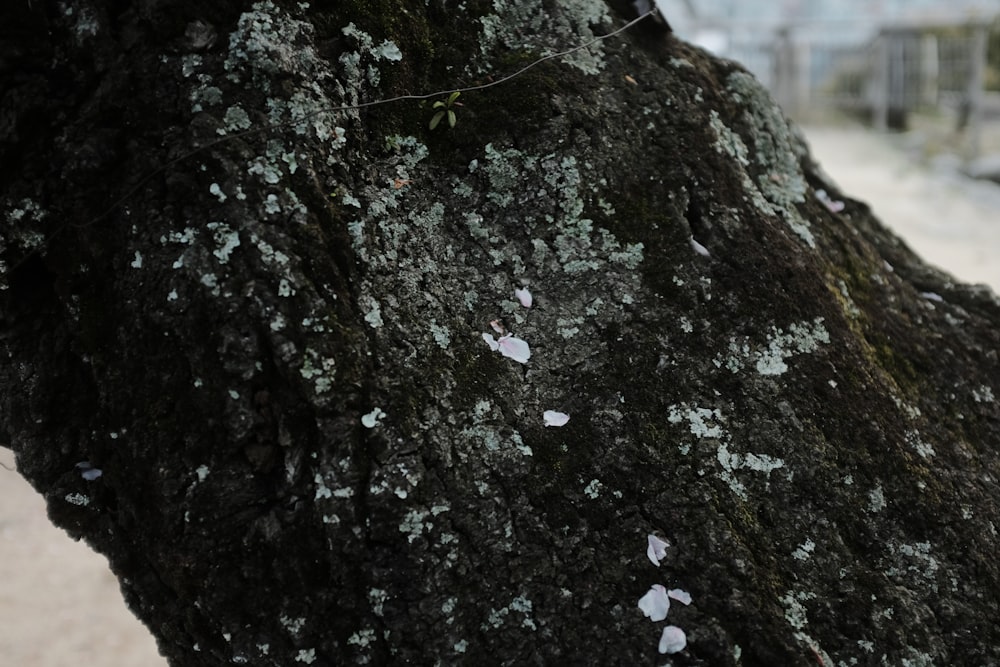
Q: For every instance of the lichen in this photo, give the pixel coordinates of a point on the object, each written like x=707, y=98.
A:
x=876, y=500
x=77, y=499
x=520, y=25
x=235, y=119
x=770, y=359
x=776, y=148
x=226, y=240
x=804, y=550
x=307, y=656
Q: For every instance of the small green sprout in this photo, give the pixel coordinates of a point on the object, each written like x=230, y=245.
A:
x=444, y=108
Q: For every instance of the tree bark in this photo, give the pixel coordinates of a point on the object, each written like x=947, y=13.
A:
x=259, y=319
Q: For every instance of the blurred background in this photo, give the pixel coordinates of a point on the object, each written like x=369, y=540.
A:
x=900, y=102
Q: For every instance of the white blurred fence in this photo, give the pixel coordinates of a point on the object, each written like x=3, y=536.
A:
x=898, y=71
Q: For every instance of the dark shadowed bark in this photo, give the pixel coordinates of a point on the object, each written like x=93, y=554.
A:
x=272, y=349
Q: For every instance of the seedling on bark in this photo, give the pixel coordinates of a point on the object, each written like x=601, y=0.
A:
x=444, y=109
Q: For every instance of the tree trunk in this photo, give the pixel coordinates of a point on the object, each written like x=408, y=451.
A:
x=243, y=335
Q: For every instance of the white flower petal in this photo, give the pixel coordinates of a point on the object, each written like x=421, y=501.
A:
x=524, y=296
x=514, y=348
x=657, y=549
x=370, y=420
x=553, y=418
x=681, y=596
x=655, y=604
x=699, y=248
x=672, y=640
x=834, y=205
x=491, y=341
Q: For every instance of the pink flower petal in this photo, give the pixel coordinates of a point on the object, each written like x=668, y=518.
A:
x=657, y=549
x=514, y=348
x=494, y=345
x=699, y=248
x=524, y=296
x=553, y=418
x=834, y=205
x=655, y=604
x=672, y=640
x=681, y=596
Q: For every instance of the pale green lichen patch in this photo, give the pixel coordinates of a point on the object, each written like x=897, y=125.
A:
x=703, y=422
x=776, y=152
x=520, y=25
x=729, y=143
x=441, y=335
x=730, y=462
x=519, y=605
x=318, y=369
x=800, y=339
x=21, y=217
x=915, y=561
x=795, y=611
x=770, y=358
x=293, y=625
x=205, y=96
x=235, y=119
x=912, y=412
x=226, y=240
x=876, y=499
x=804, y=550
x=983, y=394
x=362, y=638
x=372, y=311
x=387, y=50
x=919, y=445
x=189, y=63
x=368, y=52
x=77, y=499
x=266, y=43
x=306, y=656
x=487, y=439
x=322, y=490
x=708, y=424
x=577, y=245
x=849, y=306
x=413, y=524
x=776, y=149
x=569, y=327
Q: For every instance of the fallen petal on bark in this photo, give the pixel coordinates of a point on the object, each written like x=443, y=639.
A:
x=553, y=418
x=657, y=549
x=672, y=640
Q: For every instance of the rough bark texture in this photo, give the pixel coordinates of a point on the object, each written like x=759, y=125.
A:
x=808, y=415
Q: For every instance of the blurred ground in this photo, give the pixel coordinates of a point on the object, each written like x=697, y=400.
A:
x=917, y=189
x=60, y=605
